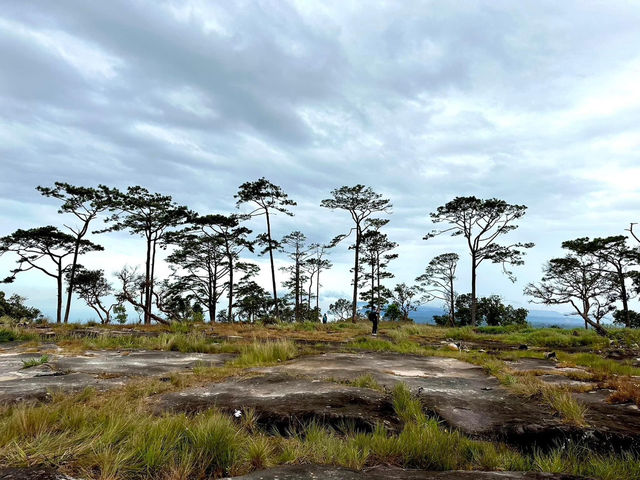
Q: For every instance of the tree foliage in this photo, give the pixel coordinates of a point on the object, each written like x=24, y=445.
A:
x=45, y=249
x=481, y=223
x=151, y=216
x=14, y=307
x=361, y=202
x=578, y=281
x=403, y=297
x=85, y=204
x=437, y=282
x=268, y=199
x=93, y=287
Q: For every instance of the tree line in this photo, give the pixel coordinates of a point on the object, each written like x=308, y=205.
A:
x=207, y=257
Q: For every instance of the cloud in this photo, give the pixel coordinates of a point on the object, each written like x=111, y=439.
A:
x=533, y=102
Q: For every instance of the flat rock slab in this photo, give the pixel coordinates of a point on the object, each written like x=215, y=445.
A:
x=137, y=363
x=468, y=399
x=541, y=364
x=99, y=369
x=284, y=403
x=460, y=393
x=316, y=472
x=12, y=366
x=40, y=388
x=31, y=473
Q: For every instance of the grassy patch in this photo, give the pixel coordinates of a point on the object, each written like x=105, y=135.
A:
x=265, y=353
x=34, y=362
x=13, y=334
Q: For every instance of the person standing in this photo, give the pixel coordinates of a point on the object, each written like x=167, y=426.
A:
x=324, y=318
x=374, y=317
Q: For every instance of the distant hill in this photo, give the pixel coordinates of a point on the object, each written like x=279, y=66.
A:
x=537, y=318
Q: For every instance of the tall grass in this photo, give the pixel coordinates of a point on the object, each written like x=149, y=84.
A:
x=12, y=334
x=265, y=353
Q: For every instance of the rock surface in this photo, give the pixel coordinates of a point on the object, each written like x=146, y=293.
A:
x=316, y=472
x=100, y=369
x=32, y=473
x=285, y=403
x=468, y=399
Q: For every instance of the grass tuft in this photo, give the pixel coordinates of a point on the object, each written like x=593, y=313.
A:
x=34, y=362
x=265, y=353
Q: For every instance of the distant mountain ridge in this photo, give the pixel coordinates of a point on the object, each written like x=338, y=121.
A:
x=537, y=318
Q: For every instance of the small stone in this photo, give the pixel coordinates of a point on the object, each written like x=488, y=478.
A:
x=550, y=355
x=453, y=346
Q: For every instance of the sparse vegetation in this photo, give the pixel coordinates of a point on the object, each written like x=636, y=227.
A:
x=34, y=362
x=116, y=435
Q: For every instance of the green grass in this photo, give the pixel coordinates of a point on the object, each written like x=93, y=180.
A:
x=265, y=353
x=194, y=342
x=13, y=334
x=113, y=436
x=366, y=381
x=34, y=362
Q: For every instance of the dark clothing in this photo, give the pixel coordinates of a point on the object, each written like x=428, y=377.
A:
x=324, y=318
x=374, y=318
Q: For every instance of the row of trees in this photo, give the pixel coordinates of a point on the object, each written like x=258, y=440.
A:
x=207, y=256
x=593, y=277
x=206, y=253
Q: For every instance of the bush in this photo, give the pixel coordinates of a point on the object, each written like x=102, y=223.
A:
x=619, y=318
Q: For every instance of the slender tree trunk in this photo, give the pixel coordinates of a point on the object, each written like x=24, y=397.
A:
x=474, y=301
x=309, y=295
x=230, y=307
x=379, y=293
x=318, y=291
x=273, y=270
x=74, y=266
x=72, y=277
x=373, y=284
x=452, y=305
x=297, y=292
x=354, y=308
x=59, y=306
x=151, y=277
x=625, y=300
x=211, y=289
x=147, y=283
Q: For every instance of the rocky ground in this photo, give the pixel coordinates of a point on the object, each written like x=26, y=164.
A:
x=340, y=388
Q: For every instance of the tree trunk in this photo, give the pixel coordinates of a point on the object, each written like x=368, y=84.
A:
x=373, y=283
x=625, y=301
x=452, y=305
x=74, y=265
x=309, y=295
x=59, y=306
x=153, y=269
x=474, y=301
x=212, y=282
x=230, y=307
x=318, y=291
x=379, y=300
x=72, y=277
x=273, y=270
x=296, y=314
x=147, y=276
x=354, y=308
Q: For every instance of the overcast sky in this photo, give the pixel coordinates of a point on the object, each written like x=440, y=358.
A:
x=535, y=102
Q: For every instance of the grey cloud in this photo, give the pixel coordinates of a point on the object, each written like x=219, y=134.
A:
x=422, y=100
